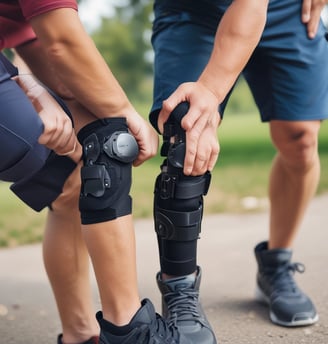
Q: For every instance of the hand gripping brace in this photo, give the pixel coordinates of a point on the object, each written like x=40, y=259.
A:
x=178, y=201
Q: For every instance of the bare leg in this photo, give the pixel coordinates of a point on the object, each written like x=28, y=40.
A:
x=294, y=178
x=111, y=246
x=67, y=264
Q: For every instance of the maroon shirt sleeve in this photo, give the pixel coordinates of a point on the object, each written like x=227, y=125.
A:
x=14, y=16
x=32, y=8
x=15, y=30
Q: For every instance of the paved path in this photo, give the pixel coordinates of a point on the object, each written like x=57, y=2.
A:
x=28, y=314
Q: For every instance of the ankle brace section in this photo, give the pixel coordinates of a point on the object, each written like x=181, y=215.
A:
x=108, y=152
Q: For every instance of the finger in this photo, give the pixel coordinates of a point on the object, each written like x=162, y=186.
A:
x=213, y=158
x=170, y=104
x=192, y=141
x=65, y=143
x=142, y=156
x=202, y=120
x=58, y=136
x=146, y=152
x=76, y=155
x=62, y=152
x=313, y=24
x=50, y=126
x=195, y=118
x=191, y=149
x=53, y=136
x=137, y=162
x=207, y=154
x=202, y=155
x=25, y=82
x=162, y=118
x=200, y=165
x=306, y=11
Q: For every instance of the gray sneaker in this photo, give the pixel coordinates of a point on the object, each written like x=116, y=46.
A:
x=147, y=327
x=181, y=307
x=276, y=286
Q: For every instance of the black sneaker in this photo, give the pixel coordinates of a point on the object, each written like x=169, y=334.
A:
x=92, y=340
x=181, y=307
x=276, y=286
x=147, y=327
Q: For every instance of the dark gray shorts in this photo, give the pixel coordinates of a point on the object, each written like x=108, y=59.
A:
x=37, y=174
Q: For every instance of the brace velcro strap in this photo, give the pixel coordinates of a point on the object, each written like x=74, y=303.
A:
x=165, y=147
x=91, y=148
x=95, y=180
x=178, y=268
x=188, y=189
x=174, y=187
x=169, y=131
x=186, y=226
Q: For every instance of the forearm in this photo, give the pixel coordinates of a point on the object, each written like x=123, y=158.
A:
x=81, y=69
x=58, y=133
x=34, y=56
x=238, y=34
x=78, y=63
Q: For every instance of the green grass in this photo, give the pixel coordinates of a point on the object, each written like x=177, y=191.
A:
x=18, y=223
x=242, y=170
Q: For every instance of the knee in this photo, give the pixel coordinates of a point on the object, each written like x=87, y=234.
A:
x=299, y=148
x=304, y=148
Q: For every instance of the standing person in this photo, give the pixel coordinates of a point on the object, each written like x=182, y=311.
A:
x=116, y=138
x=198, y=56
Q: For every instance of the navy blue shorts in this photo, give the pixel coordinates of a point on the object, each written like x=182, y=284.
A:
x=287, y=73
x=37, y=173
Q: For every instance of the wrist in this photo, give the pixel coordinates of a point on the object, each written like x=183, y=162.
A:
x=213, y=88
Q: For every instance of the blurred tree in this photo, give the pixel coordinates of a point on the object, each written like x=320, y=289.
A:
x=124, y=42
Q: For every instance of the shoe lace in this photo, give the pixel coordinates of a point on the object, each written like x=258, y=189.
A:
x=159, y=332
x=282, y=278
x=183, y=305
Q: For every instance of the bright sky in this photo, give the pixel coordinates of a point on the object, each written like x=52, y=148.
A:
x=90, y=12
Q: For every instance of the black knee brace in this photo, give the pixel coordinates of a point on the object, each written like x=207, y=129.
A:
x=178, y=202
x=108, y=152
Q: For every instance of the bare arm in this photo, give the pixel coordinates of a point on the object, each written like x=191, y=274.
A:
x=58, y=133
x=78, y=63
x=83, y=71
x=237, y=35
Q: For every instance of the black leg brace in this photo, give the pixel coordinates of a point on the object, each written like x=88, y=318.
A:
x=178, y=202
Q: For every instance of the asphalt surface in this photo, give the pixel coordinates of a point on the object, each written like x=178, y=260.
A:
x=28, y=313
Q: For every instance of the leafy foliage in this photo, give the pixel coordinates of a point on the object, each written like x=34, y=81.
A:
x=124, y=42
